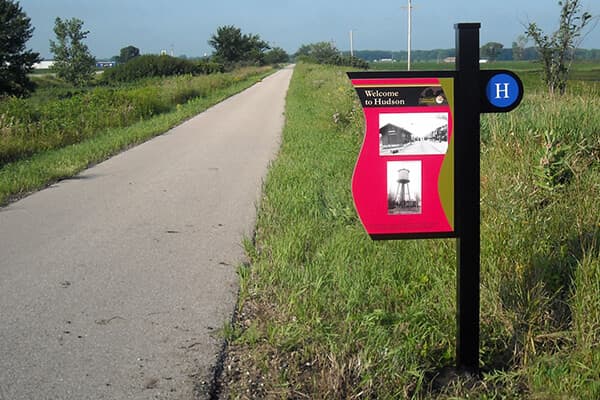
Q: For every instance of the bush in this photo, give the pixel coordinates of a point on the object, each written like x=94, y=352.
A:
x=148, y=66
x=337, y=59
x=209, y=67
x=327, y=53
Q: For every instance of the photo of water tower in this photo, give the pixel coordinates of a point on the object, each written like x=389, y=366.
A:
x=404, y=187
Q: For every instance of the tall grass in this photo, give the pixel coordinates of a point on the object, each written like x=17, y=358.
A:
x=328, y=313
x=69, y=135
x=30, y=126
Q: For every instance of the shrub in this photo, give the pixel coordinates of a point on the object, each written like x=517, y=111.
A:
x=327, y=53
x=148, y=66
x=209, y=67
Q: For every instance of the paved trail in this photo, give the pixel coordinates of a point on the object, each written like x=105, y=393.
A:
x=113, y=284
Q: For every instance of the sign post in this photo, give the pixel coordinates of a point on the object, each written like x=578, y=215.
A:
x=467, y=200
x=418, y=175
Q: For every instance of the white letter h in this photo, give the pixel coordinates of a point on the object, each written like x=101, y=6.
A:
x=500, y=91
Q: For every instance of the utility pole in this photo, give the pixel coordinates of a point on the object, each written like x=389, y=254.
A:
x=409, y=8
x=409, y=30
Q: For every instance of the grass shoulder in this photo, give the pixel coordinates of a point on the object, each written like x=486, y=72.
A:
x=327, y=313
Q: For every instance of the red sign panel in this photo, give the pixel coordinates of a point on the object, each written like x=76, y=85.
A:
x=403, y=182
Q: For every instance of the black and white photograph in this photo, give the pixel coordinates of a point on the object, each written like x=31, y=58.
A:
x=413, y=133
x=404, y=187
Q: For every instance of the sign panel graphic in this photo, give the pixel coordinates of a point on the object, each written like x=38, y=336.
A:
x=503, y=90
x=403, y=182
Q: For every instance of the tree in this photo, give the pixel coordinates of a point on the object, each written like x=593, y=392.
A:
x=231, y=46
x=127, y=53
x=321, y=52
x=15, y=61
x=492, y=50
x=276, y=55
x=518, y=47
x=557, y=51
x=73, y=61
x=327, y=53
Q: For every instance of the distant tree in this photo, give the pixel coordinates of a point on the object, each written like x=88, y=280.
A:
x=276, y=55
x=492, y=50
x=304, y=50
x=327, y=53
x=518, y=47
x=73, y=60
x=233, y=47
x=15, y=61
x=127, y=53
x=557, y=51
x=320, y=52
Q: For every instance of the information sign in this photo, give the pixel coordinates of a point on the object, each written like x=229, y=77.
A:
x=403, y=181
x=418, y=174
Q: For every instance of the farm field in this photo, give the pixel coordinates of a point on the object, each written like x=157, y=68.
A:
x=61, y=130
x=326, y=313
x=528, y=71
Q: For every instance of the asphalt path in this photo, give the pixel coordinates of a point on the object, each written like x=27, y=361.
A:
x=115, y=283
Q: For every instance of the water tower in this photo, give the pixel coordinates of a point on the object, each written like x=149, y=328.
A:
x=402, y=197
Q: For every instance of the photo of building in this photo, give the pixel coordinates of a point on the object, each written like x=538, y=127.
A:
x=413, y=133
x=393, y=136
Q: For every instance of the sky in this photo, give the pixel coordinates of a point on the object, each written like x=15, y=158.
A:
x=184, y=26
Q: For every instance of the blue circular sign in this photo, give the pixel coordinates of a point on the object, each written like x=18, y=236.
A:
x=502, y=90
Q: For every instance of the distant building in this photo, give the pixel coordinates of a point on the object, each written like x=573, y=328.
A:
x=43, y=64
x=105, y=64
x=394, y=136
x=439, y=134
x=451, y=60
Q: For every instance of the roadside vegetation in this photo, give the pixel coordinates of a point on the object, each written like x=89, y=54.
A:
x=327, y=53
x=61, y=129
x=148, y=66
x=326, y=313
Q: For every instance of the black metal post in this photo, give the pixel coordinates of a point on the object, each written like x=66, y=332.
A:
x=467, y=181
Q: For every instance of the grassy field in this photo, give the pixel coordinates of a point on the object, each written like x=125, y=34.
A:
x=326, y=313
x=61, y=130
x=529, y=71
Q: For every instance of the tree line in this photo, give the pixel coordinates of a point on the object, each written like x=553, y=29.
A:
x=438, y=55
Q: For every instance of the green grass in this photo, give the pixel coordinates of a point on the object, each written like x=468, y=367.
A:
x=58, y=115
x=327, y=313
x=79, y=132
x=528, y=71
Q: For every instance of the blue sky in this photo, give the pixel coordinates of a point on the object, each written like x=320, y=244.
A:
x=184, y=26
